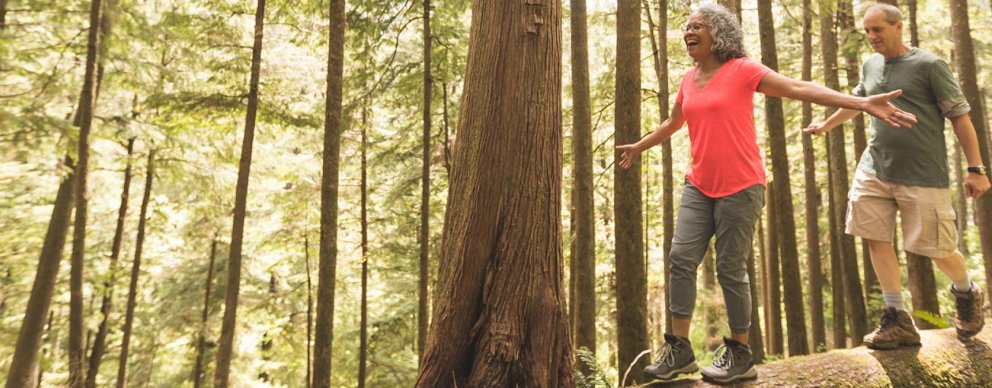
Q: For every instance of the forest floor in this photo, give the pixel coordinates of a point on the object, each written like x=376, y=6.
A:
x=944, y=360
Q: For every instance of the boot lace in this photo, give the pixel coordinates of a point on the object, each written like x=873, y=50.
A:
x=965, y=309
x=724, y=357
x=666, y=355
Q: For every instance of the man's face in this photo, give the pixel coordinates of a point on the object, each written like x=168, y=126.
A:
x=885, y=38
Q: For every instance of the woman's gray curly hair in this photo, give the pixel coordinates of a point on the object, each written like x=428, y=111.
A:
x=728, y=37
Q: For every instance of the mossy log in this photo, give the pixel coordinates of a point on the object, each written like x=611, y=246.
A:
x=942, y=361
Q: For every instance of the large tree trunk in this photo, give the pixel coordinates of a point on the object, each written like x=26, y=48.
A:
x=201, y=342
x=363, y=348
x=856, y=314
x=29, y=338
x=77, y=350
x=926, y=366
x=425, y=191
x=775, y=119
x=812, y=197
x=500, y=317
x=964, y=51
x=226, y=347
x=773, y=306
x=132, y=294
x=583, y=255
x=632, y=332
x=324, y=336
x=96, y=355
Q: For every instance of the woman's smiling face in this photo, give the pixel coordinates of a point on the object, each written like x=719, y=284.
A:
x=697, y=38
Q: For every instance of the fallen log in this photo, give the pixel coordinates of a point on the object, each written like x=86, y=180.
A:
x=942, y=361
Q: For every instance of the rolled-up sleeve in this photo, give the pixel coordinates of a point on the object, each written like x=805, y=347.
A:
x=954, y=106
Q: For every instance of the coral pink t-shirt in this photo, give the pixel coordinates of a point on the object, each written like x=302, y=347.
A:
x=725, y=156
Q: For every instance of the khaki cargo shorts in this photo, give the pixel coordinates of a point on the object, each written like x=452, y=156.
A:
x=928, y=219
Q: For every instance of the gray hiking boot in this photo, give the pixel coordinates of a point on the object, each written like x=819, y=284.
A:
x=895, y=329
x=969, y=320
x=733, y=361
x=674, y=358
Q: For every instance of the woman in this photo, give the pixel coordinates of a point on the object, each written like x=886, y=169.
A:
x=724, y=191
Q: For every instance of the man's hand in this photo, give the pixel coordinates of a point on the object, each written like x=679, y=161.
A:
x=976, y=184
x=816, y=129
x=878, y=105
x=630, y=154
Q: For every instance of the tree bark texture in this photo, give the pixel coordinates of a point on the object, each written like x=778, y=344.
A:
x=96, y=354
x=964, y=51
x=132, y=294
x=838, y=308
x=795, y=314
x=756, y=340
x=201, y=342
x=225, y=351
x=856, y=314
x=942, y=361
x=812, y=196
x=425, y=192
x=583, y=253
x=77, y=350
x=29, y=338
x=774, y=278
x=500, y=317
x=631, y=282
x=324, y=330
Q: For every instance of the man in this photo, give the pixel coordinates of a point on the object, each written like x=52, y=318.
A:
x=905, y=169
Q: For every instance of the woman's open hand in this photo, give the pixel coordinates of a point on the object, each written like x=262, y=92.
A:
x=879, y=106
x=629, y=156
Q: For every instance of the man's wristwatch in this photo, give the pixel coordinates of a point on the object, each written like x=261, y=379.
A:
x=981, y=170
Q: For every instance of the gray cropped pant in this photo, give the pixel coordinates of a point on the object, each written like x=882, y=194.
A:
x=732, y=219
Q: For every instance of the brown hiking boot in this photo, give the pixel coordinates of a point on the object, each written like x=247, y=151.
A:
x=969, y=320
x=896, y=329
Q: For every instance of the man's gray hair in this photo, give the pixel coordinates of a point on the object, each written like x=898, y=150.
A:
x=728, y=37
x=892, y=13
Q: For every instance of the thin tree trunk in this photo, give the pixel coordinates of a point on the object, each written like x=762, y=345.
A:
x=853, y=41
x=583, y=217
x=856, y=314
x=775, y=120
x=132, y=295
x=964, y=50
x=201, y=343
x=425, y=190
x=306, y=255
x=962, y=200
x=447, y=135
x=226, y=346
x=773, y=270
x=363, y=341
x=813, y=264
x=500, y=317
x=734, y=6
x=711, y=309
x=659, y=48
x=324, y=330
x=77, y=351
x=631, y=292
x=836, y=273
x=756, y=340
x=3, y=15
x=29, y=338
x=96, y=355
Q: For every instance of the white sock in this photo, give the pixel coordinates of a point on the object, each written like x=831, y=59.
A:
x=963, y=285
x=893, y=299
